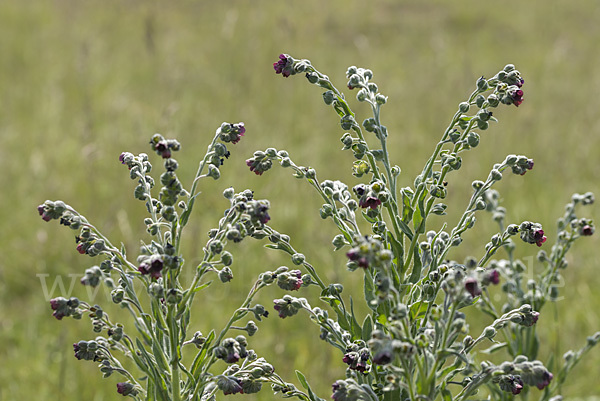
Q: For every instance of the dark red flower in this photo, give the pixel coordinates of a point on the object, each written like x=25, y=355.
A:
x=284, y=65
x=472, y=287
x=369, y=201
x=539, y=237
x=517, y=97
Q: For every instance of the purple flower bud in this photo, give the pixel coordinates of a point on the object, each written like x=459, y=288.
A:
x=369, y=201
x=472, y=286
x=539, y=237
x=152, y=266
x=491, y=276
x=545, y=380
x=126, y=389
x=284, y=65
x=517, y=97
x=587, y=230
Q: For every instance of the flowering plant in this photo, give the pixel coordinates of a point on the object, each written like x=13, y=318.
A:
x=161, y=310
x=414, y=341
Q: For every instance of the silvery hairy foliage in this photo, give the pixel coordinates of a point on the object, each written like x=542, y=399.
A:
x=413, y=344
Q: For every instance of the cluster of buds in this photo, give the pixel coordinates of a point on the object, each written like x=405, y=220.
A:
x=519, y=164
x=532, y=233
x=512, y=376
x=372, y=195
x=154, y=257
x=92, y=276
x=232, y=349
x=263, y=161
x=289, y=306
x=58, y=210
x=525, y=316
x=63, y=307
x=357, y=357
x=480, y=279
x=231, y=132
x=435, y=243
x=290, y=280
x=368, y=252
x=163, y=147
x=384, y=349
x=88, y=243
x=350, y=390
x=88, y=351
x=246, y=380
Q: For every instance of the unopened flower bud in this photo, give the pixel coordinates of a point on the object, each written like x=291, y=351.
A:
x=213, y=171
x=482, y=84
x=298, y=259
x=496, y=175
x=328, y=97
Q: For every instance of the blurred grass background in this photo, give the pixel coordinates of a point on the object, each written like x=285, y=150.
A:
x=80, y=82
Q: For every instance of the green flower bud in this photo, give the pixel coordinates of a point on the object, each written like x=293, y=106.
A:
x=493, y=100
x=489, y=332
x=482, y=84
x=140, y=192
x=226, y=258
x=380, y=99
x=496, y=175
x=225, y=274
x=370, y=124
x=298, y=259
x=473, y=139
x=477, y=184
x=216, y=246
x=482, y=125
x=328, y=97
x=213, y=171
x=361, y=96
x=464, y=107
x=312, y=77
x=228, y=193
x=347, y=122
x=479, y=101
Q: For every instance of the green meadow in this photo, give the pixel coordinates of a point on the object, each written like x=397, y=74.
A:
x=82, y=81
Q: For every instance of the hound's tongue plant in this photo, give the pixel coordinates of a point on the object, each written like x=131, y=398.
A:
x=413, y=343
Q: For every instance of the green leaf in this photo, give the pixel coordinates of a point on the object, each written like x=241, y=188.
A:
x=405, y=229
x=417, y=219
x=201, y=356
x=446, y=395
x=382, y=319
x=302, y=379
x=356, y=329
x=396, y=247
x=417, y=266
x=367, y=327
x=369, y=289
x=203, y=286
x=418, y=309
x=306, y=386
